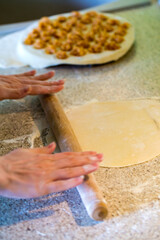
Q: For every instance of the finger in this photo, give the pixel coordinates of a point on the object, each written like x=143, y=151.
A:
x=59, y=82
x=37, y=89
x=25, y=74
x=68, y=155
x=79, y=153
x=44, y=76
x=66, y=173
x=59, y=186
x=44, y=150
x=41, y=83
x=15, y=93
x=77, y=161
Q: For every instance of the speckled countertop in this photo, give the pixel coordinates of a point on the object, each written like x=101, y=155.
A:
x=132, y=193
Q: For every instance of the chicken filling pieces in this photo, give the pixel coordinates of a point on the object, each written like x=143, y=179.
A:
x=77, y=34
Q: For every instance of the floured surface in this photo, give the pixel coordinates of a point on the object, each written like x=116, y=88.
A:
x=126, y=132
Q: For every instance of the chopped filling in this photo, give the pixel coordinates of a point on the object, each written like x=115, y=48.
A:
x=78, y=34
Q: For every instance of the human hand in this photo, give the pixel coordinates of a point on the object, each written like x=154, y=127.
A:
x=35, y=172
x=20, y=85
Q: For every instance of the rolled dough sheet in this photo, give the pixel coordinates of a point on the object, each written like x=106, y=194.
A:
x=126, y=132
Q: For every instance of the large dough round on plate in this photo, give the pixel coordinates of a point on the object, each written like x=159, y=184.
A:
x=126, y=132
x=38, y=58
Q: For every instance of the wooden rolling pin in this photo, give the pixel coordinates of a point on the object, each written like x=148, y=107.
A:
x=88, y=190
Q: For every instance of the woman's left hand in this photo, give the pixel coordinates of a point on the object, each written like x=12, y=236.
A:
x=20, y=85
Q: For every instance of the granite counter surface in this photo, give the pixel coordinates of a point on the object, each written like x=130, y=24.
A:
x=132, y=193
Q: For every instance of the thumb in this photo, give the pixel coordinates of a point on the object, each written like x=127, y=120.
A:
x=45, y=150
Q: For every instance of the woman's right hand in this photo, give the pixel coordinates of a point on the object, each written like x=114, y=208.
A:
x=26, y=173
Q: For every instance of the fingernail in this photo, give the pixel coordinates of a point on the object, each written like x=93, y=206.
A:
x=93, y=158
x=89, y=168
x=51, y=73
x=100, y=156
x=51, y=145
x=32, y=71
x=97, y=157
x=82, y=177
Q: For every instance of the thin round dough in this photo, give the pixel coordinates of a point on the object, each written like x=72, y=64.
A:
x=126, y=132
x=39, y=59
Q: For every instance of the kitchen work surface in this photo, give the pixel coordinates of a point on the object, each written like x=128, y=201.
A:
x=132, y=193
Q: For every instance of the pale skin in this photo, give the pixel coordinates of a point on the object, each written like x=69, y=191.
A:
x=26, y=173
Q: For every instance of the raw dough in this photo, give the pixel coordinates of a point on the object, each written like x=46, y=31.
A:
x=37, y=58
x=126, y=132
